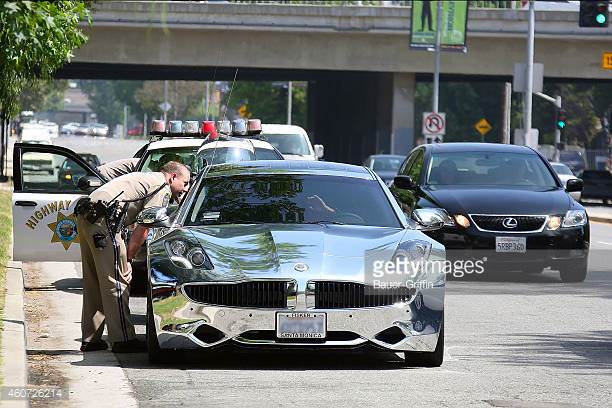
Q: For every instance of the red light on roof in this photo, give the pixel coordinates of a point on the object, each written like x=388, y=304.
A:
x=158, y=127
x=208, y=129
x=254, y=126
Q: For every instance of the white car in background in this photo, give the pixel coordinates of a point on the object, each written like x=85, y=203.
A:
x=35, y=133
x=52, y=127
x=566, y=174
x=292, y=141
x=69, y=128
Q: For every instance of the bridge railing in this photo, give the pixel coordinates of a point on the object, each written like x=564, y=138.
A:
x=486, y=4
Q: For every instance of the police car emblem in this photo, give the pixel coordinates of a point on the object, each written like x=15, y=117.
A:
x=64, y=230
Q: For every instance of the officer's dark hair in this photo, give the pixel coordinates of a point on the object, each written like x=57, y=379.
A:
x=174, y=167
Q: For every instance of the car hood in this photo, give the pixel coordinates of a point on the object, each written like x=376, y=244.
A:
x=386, y=175
x=273, y=250
x=516, y=201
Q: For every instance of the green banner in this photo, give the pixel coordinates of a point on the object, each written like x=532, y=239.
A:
x=425, y=17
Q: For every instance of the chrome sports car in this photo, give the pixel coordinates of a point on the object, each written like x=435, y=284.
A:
x=284, y=254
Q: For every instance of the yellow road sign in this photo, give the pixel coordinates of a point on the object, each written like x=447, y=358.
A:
x=606, y=60
x=483, y=126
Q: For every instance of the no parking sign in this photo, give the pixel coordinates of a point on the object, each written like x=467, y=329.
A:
x=434, y=123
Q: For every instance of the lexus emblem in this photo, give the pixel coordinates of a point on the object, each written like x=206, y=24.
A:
x=510, y=223
x=300, y=267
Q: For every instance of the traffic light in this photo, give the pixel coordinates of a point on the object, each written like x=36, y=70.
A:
x=594, y=13
x=561, y=119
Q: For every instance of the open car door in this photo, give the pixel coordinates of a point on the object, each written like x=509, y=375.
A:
x=45, y=179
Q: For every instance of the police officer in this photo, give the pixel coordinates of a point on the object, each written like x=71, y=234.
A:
x=106, y=270
x=118, y=168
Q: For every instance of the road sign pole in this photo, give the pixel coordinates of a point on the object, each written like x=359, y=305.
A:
x=436, y=85
x=529, y=87
x=507, y=105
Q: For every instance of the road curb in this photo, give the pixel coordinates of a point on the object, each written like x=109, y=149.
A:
x=601, y=219
x=14, y=360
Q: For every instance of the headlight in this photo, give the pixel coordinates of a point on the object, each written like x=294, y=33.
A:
x=554, y=223
x=410, y=256
x=430, y=216
x=188, y=255
x=462, y=220
x=574, y=218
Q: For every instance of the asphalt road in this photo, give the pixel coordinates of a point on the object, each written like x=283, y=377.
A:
x=512, y=340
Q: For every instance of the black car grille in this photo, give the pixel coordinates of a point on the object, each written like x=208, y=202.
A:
x=338, y=295
x=525, y=223
x=256, y=294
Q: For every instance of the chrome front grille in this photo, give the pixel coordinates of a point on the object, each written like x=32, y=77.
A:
x=269, y=294
x=495, y=223
x=339, y=295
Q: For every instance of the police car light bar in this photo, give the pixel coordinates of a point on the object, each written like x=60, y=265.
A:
x=224, y=127
x=239, y=127
x=175, y=127
x=254, y=126
x=207, y=128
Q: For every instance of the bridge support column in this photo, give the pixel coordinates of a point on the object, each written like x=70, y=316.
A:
x=402, y=113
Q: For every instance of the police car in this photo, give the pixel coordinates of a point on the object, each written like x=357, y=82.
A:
x=43, y=207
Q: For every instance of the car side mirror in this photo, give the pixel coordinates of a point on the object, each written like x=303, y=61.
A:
x=431, y=225
x=574, y=185
x=404, y=182
x=154, y=217
x=89, y=183
x=319, y=151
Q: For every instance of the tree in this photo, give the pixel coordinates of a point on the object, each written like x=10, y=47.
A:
x=43, y=95
x=36, y=39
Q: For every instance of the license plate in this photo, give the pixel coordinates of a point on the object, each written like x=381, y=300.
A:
x=511, y=244
x=299, y=325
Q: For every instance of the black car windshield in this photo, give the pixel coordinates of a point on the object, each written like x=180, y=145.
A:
x=489, y=169
x=226, y=155
x=155, y=159
x=288, y=143
x=387, y=163
x=292, y=199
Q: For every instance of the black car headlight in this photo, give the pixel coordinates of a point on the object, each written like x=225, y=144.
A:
x=186, y=254
x=574, y=218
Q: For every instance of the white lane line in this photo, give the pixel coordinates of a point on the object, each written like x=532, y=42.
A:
x=605, y=243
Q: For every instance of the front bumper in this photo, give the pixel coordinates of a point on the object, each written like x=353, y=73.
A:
x=181, y=323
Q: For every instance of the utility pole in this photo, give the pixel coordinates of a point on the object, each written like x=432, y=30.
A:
x=207, y=104
x=289, y=101
x=529, y=87
x=436, y=84
x=125, y=113
x=165, y=100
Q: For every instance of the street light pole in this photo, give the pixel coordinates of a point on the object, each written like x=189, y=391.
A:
x=165, y=99
x=436, y=84
x=529, y=87
x=289, y=101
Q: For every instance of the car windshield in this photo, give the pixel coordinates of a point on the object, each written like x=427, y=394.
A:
x=387, y=163
x=291, y=199
x=266, y=154
x=155, y=159
x=288, y=143
x=226, y=155
x=568, y=155
x=490, y=169
x=562, y=169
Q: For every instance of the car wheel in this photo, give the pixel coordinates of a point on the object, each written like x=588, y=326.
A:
x=156, y=355
x=427, y=358
x=574, y=271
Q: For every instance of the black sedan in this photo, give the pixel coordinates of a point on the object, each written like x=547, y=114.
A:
x=501, y=204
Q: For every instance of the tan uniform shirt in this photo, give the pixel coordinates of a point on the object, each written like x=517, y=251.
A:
x=118, y=168
x=135, y=186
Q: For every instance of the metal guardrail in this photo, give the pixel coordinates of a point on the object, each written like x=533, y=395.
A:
x=484, y=4
x=600, y=159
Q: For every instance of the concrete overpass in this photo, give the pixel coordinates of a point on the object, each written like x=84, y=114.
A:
x=357, y=57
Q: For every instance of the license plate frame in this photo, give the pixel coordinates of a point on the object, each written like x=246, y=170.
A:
x=517, y=245
x=313, y=325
